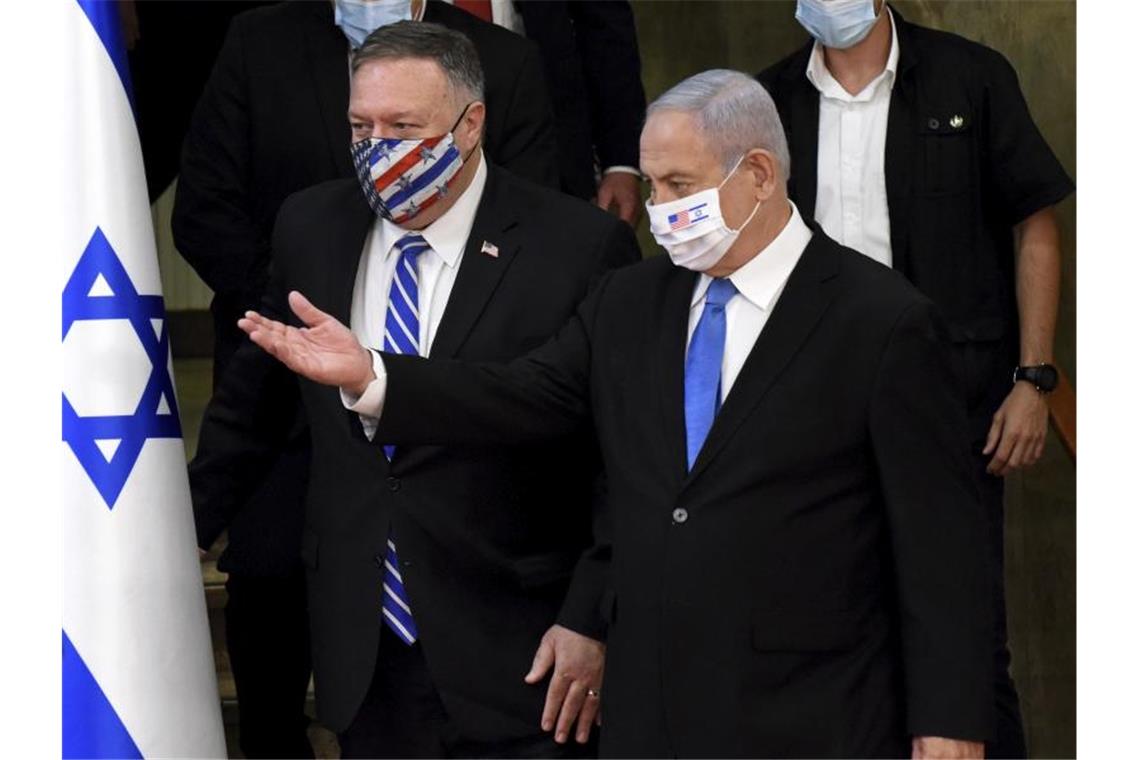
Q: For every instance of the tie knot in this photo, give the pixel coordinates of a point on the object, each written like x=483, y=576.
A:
x=411, y=246
x=720, y=292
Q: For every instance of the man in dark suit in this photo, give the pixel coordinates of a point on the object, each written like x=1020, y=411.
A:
x=593, y=69
x=916, y=147
x=272, y=122
x=798, y=547
x=438, y=577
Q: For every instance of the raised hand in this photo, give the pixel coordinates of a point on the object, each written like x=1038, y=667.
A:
x=324, y=351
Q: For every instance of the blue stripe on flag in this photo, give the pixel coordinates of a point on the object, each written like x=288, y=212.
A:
x=104, y=16
x=91, y=727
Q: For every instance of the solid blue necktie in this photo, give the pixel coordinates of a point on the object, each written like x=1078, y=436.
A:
x=401, y=336
x=702, y=368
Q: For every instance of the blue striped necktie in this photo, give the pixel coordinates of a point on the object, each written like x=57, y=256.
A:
x=401, y=336
x=702, y=368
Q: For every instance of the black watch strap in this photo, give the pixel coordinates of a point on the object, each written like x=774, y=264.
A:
x=1043, y=377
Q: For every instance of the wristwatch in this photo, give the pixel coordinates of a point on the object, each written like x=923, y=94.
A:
x=1043, y=377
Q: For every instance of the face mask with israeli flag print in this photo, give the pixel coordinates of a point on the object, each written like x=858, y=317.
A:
x=402, y=178
x=692, y=229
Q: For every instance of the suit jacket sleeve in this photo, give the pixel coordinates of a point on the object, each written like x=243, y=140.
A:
x=938, y=532
x=542, y=395
x=607, y=42
x=213, y=223
x=526, y=144
x=1025, y=172
x=244, y=429
x=582, y=607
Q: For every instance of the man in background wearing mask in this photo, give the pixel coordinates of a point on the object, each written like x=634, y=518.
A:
x=916, y=148
x=438, y=577
x=799, y=563
x=270, y=122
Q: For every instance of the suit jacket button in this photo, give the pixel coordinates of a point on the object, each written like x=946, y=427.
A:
x=933, y=124
x=680, y=515
x=393, y=484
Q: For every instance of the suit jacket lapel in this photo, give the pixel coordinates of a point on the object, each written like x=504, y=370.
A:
x=479, y=273
x=673, y=339
x=806, y=297
x=898, y=163
x=327, y=49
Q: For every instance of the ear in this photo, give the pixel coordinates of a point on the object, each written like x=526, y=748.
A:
x=470, y=128
x=764, y=168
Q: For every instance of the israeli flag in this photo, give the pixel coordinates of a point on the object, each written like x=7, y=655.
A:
x=138, y=671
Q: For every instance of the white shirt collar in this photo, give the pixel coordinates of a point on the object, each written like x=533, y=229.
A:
x=447, y=235
x=762, y=279
x=819, y=75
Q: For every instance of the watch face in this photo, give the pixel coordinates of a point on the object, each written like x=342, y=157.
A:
x=1046, y=377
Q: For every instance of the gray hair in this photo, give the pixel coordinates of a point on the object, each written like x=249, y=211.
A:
x=452, y=50
x=733, y=112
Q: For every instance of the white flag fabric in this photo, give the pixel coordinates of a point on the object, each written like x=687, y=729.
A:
x=138, y=672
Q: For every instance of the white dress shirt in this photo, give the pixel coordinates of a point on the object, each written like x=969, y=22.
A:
x=438, y=268
x=851, y=195
x=759, y=284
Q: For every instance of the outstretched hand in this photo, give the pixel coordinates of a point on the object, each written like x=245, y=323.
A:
x=324, y=350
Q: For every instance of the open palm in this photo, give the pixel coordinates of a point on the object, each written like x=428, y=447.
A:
x=325, y=351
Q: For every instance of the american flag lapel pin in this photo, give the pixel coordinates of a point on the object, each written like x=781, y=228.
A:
x=490, y=249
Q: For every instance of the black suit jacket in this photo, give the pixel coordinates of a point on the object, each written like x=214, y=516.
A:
x=273, y=121
x=817, y=584
x=955, y=188
x=490, y=537
x=593, y=71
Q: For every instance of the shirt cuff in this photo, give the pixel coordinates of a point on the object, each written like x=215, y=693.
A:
x=621, y=170
x=369, y=404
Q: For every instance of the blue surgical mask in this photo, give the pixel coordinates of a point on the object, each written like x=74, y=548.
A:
x=837, y=24
x=360, y=18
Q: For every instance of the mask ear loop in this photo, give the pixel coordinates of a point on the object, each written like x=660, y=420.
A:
x=456, y=124
x=732, y=171
x=755, y=208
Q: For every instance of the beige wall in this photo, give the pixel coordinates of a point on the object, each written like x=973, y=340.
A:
x=1039, y=37
x=181, y=286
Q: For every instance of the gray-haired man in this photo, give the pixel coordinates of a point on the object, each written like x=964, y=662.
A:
x=798, y=546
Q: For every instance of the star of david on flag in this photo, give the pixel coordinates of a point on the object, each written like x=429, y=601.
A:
x=109, y=445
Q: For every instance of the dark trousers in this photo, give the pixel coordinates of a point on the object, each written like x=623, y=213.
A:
x=267, y=634
x=1008, y=733
x=403, y=716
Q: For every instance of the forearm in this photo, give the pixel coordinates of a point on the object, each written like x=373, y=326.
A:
x=1038, y=272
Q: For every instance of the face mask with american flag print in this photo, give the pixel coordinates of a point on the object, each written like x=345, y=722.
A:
x=402, y=178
